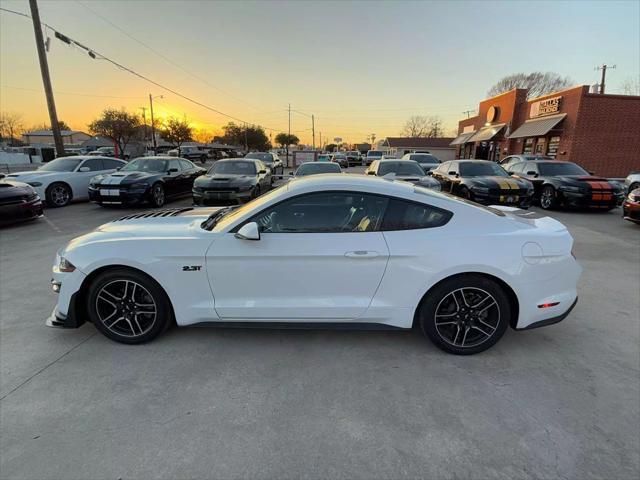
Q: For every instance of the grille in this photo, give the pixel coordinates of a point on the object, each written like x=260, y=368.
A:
x=173, y=212
x=18, y=199
x=220, y=189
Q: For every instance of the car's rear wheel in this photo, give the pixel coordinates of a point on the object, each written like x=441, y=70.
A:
x=464, y=192
x=58, y=194
x=548, y=197
x=466, y=314
x=157, y=195
x=127, y=306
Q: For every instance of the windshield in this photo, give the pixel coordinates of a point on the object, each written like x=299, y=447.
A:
x=265, y=157
x=63, y=164
x=324, y=158
x=424, y=158
x=561, y=168
x=156, y=165
x=233, y=167
x=374, y=153
x=400, y=168
x=472, y=169
x=231, y=215
x=315, y=168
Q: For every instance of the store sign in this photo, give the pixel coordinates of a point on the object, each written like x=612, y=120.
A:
x=545, y=107
x=468, y=128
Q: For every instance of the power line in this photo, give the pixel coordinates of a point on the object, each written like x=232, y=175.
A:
x=98, y=56
x=161, y=55
x=58, y=92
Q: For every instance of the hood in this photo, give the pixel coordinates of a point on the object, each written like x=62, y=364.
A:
x=580, y=179
x=10, y=188
x=154, y=225
x=496, y=181
x=33, y=175
x=124, y=177
x=224, y=179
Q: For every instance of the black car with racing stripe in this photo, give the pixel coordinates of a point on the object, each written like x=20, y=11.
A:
x=558, y=183
x=483, y=182
x=145, y=179
x=233, y=180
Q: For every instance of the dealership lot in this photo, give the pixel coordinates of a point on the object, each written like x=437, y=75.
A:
x=557, y=402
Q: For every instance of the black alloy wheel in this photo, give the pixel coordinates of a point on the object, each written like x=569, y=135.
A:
x=157, y=195
x=548, y=197
x=127, y=306
x=465, y=193
x=58, y=195
x=466, y=314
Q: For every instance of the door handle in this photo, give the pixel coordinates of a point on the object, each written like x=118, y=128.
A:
x=361, y=254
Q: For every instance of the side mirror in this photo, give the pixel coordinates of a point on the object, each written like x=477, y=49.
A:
x=262, y=171
x=84, y=169
x=532, y=174
x=591, y=172
x=172, y=170
x=291, y=174
x=249, y=231
x=2, y=175
x=371, y=172
x=452, y=173
x=429, y=172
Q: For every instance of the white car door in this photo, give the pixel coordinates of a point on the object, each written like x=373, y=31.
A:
x=319, y=258
x=85, y=172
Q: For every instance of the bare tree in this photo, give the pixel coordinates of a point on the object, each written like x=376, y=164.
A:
x=10, y=126
x=118, y=125
x=631, y=86
x=176, y=132
x=420, y=126
x=538, y=83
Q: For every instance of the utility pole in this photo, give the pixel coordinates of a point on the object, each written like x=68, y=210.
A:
x=313, y=130
x=246, y=143
x=468, y=113
x=46, y=79
x=144, y=120
x=603, y=67
x=321, y=147
x=153, y=128
x=289, y=135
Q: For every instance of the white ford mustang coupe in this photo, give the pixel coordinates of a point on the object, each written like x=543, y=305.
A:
x=320, y=251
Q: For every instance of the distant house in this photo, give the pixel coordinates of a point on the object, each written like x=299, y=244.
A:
x=440, y=147
x=45, y=137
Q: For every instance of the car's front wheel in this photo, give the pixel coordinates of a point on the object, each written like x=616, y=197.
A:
x=127, y=306
x=465, y=314
x=58, y=194
x=157, y=195
x=548, y=198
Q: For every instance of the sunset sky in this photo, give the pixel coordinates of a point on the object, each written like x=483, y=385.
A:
x=361, y=68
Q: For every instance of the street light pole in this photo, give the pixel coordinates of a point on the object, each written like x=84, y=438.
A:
x=46, y=79
x=153, y=127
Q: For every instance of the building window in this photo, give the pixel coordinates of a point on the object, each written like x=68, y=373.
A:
x=528, y=146
x=554, y=144
x=540, y=144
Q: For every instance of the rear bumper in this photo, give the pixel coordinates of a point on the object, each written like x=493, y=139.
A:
x=550, y=321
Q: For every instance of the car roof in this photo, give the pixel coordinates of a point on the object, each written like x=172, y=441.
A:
x=350, y=181
x=237, y=159
x=472, y=160
x=396, y=160
x=86, y=157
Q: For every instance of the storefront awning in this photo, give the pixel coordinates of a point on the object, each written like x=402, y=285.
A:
x=538, y=126
x=486, y=133
x=462, y=138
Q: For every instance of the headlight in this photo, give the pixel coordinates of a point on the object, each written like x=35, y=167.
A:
x=35, y=184
x=138, y=186
x=197, y=189
x=480, y=189
x=569, y=188
x=65, y=265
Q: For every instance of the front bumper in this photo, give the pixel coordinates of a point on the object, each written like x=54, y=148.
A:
x=591, y=200
x=631, y=211
x=502, y=198
x=124, y=197
x=20, y=211
x=213, y=197
x=69, y=309
x=69, y=320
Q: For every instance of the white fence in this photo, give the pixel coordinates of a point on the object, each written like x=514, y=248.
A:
x=12, y=158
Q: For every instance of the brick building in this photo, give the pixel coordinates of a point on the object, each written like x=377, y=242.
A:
x=599, y=132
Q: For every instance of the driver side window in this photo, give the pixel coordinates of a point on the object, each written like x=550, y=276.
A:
x=324, y=212
x=174, y=164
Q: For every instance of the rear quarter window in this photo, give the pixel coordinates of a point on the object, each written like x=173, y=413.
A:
x=405, y=215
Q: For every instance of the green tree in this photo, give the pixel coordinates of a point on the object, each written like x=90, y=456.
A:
x=118, y=125
x=176, y=132
x=252, y=136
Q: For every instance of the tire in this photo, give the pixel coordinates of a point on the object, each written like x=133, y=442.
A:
x=548, y=200
x=465, y=314
x=157, y=195
x=256, y=192
x=128, y=307
x=58, y=194
x=465, y=193
x=632, y=187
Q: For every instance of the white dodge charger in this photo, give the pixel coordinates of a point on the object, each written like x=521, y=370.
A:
x=320, y=251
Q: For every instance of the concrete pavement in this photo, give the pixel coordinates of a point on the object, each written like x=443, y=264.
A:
x=557, y=402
